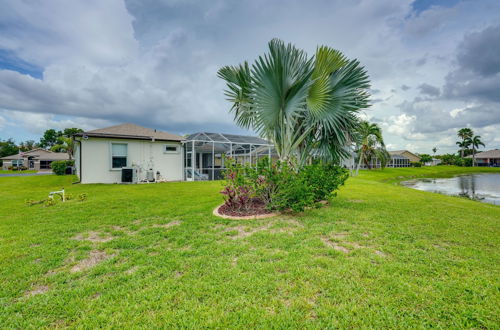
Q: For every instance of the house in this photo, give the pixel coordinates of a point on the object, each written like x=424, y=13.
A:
x=406, y=154
x=487, y=158
x=36, y=159
x=128, y=153
x=433, y=162
x=399, y=158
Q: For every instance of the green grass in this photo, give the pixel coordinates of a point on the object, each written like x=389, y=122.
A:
x=415, y=259
x=11, y=171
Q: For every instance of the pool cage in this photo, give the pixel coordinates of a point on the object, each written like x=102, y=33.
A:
x=395, y=161
x=204, y=153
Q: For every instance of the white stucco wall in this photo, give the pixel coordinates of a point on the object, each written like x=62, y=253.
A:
x=96, y=160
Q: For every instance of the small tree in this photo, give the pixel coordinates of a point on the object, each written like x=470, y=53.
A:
x=425, y=158
x=465, y=134
x=64, y=144
x=370, y=143
x=475, y=142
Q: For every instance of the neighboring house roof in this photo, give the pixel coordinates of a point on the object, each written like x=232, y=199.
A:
x=406, y=153
x=131, y=131
x=495, y=153
x=38, y=154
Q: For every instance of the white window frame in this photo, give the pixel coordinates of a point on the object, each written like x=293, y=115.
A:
x=177, y=148
x=111, y=168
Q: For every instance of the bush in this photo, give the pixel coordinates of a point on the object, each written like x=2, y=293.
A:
x=467, y=162
x=450, y=159
x=324, y=179
x=17, y=168
x=294, y=194
x=416, y=164
x=279, y=186
x=237, y=191
x=59, y=166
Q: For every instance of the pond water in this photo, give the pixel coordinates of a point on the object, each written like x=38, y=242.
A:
x=481, y=187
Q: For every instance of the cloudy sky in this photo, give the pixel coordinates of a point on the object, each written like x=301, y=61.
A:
x=434, y=65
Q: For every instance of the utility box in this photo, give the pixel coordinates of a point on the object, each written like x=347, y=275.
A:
x=127, y=175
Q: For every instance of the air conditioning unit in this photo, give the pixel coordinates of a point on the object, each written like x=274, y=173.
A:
x=128, y=175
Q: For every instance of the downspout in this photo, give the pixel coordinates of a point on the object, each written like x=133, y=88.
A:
x=80, y=161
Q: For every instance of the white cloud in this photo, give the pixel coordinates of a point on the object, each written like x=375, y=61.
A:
x=155, y=62
x=400, y=125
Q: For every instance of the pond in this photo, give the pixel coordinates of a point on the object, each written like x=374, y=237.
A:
x=481, y=187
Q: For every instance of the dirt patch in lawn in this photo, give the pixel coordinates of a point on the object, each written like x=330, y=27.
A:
x=94, y=259
x=244, y=231
x=94, y=237
x=167, y=225
x=340, y=236
x=334, y=245
x=39, y=289
x=131, y=270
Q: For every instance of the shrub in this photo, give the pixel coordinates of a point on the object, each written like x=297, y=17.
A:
x=17, y=168
x=294, y=194
x=59, y=166
x=279, y=186
x=237, y=191
x=416, y=164
x=467, y=162
x=450, y=159
x=425, y=158
x=324, y=179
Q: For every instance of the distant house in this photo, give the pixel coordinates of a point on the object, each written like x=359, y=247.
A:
x=406, y=154
x=399, y=158
x=36, y=159
x=487, y=158
x=433, y=162
x=128, y=153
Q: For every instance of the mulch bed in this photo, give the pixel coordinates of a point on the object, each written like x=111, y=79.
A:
x=257, y=207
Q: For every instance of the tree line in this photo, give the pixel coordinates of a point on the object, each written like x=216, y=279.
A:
x=54, y=140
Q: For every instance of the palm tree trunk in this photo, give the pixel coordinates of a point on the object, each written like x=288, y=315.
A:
x=359, y=163
x=473, y=156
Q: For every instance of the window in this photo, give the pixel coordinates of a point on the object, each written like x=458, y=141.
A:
x=17, y=162
x=45, y=164
x=118, y=155
x=171, y=149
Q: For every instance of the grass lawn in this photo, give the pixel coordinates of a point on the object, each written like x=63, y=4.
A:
x=381, y=255
x=16, y=172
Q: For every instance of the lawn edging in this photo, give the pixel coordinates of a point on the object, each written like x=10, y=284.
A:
x=246, y=217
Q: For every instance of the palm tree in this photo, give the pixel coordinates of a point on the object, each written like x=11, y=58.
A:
x=370, y=143
x=64, y=144
x=464, y=133
x=434, y=151
x=306, y=106
x=463, y=145
x=475, y=142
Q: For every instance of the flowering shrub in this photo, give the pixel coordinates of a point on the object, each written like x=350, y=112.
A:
x=237, y=191
x=280, y=186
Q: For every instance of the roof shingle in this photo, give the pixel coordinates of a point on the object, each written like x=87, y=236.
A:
x=132, y=131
